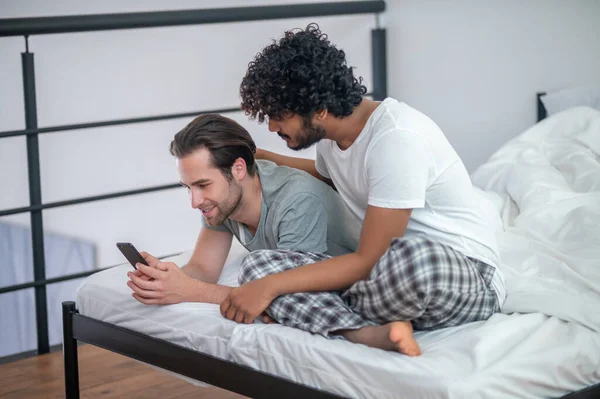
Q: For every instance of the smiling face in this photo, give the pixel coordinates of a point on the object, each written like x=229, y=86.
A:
x=299, y=133
x=210, y=191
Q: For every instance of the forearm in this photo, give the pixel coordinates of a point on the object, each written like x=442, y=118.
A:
x=328, y=275
x=307, y=165
x=199, y=291
x=199, y=273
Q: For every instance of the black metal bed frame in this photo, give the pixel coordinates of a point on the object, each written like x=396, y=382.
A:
x=197, y=365
x=541, y=109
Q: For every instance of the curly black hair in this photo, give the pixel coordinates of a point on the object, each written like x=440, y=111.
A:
x=301, y=74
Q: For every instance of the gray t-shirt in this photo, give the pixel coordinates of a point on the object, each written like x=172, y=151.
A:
x=299, y=212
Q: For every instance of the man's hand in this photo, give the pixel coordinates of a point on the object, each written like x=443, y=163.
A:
x=245, y=303
x=160, y=283
x=259, y=154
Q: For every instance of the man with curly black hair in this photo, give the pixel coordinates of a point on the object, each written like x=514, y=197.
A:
x=426, y=259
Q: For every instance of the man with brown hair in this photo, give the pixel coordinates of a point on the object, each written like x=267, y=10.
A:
x=263, y=205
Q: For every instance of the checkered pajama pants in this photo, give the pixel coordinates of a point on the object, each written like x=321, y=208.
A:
x=417, y=279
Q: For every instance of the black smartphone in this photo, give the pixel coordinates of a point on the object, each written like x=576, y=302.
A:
x=132, y=254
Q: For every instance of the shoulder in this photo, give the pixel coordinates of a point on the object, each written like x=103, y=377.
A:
x=301, y=197
x=280, y=183
x=398, y=121
x=397, y=142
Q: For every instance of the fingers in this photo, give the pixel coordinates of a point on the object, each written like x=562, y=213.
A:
x=145, y=284
x=146, y=301
x=224, y=306
x=237, y=315
x=230, y=312
x=234, y=311
x=164, y=266
x=141, y=275
x=150, y=271
x=148, y=294
x=151, y=260
x=240, y=317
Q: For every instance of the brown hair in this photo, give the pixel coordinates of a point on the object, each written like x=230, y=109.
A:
x=224, y=138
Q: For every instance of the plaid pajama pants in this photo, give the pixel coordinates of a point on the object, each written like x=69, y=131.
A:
x=417, y=279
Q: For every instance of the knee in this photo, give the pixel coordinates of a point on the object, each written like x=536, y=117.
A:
x=410, y=244
x=256, y=265
x=409, y=260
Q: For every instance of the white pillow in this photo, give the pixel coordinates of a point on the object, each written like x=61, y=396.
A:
x=574, y=97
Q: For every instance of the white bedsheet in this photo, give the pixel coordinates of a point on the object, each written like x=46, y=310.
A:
x=543, y=192
x=105, y=296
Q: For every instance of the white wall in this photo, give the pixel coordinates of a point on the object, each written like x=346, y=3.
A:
x=475, y=66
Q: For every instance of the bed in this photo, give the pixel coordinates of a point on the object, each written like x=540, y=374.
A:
x=542, y=191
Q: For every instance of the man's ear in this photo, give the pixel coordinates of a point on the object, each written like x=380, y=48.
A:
x=320, y=115
x=238, y=169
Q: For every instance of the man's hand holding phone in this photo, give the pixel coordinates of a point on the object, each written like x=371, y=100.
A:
x=161, y=283
x=138, y=272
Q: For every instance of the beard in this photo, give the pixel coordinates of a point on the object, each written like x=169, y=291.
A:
x=228, y=206
x=311, y=134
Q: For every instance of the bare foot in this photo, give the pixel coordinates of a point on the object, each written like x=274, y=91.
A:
x=395, y=336
x=401, y=334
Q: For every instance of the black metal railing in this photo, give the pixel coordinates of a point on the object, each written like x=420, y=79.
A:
x=86, y=23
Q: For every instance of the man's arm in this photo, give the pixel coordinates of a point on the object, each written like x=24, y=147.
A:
x=307, y=165
x=209, y=256
x=380, y=226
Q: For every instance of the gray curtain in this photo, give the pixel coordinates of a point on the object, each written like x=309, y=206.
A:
x=64, y=255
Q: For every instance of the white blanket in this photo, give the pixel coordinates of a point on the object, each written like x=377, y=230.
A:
x=545, y=184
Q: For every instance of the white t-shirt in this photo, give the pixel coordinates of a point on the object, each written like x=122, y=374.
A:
x=401, y=160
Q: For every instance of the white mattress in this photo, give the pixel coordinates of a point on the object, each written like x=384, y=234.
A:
x=105, y=296
x=543, y=191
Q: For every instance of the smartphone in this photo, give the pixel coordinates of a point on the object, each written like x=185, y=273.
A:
x=132, y=254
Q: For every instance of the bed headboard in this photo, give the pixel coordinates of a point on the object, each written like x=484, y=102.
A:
x=541, y=110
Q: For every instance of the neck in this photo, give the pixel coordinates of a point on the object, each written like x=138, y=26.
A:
x=250, y=206
x=344, y=131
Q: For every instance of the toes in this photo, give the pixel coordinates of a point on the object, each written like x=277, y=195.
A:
x=408, y=349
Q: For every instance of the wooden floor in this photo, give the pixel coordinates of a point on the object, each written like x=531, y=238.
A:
x=102, y=374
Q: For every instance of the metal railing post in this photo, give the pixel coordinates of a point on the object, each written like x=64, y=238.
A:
x=378, y=44
x=35, y=198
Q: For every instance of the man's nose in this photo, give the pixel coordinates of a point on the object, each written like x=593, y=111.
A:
x=273, y=127
x=197, y=198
